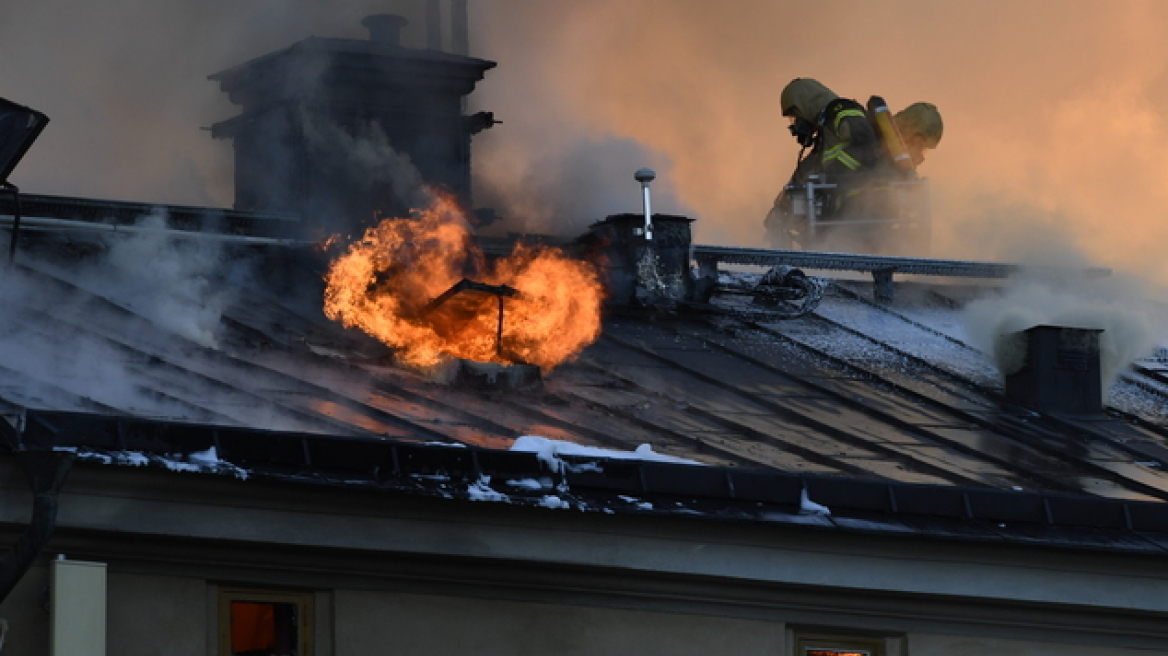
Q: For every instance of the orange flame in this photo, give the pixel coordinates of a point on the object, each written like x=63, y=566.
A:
x=384, y=283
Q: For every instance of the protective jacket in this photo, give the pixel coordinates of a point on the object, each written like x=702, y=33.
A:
x=844, y=146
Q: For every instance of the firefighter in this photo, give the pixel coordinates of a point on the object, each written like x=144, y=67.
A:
x=920, y=128
x=849, y=149
x=844, y=152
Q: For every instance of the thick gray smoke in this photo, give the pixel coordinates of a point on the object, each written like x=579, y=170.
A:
x=178, y=284
x=1124, y=308
x=1062, y=287
x=83, y=330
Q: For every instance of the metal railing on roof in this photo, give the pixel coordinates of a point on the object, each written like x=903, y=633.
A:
x=882, y=267
x=95, y=210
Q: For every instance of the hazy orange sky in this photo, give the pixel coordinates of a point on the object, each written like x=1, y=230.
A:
x=1054, y=110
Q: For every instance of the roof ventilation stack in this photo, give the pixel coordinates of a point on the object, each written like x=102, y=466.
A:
x=1058, y=369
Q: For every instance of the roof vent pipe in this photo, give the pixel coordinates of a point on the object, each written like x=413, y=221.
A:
x=385, y=28
x=1053, y=369
x=645, y=176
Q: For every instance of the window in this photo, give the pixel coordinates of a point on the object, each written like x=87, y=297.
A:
x=264, y=623
x=826, y=644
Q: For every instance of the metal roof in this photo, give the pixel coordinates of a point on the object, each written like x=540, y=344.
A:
x=874, y=410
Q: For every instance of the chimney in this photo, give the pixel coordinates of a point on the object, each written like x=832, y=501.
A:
x=639, y=272
x=385, y=28
x=1059, y=370
x=410, y=95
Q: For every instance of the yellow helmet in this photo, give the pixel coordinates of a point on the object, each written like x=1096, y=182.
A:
x=921, y=118
x=804, y=98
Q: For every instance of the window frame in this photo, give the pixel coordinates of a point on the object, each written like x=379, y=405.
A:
x=305, y=616
x=874, y=645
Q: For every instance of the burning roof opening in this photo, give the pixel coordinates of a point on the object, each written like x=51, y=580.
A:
x=386, y=284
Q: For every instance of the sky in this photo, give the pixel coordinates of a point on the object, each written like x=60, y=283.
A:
x=1054, y=110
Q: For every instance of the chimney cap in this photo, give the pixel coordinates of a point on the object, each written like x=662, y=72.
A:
x=644, y=175
x=385, y=28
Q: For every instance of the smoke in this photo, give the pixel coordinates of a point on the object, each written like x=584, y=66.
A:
x=364, y=157
x=125, y=86
x=180, y=285
x=1061, y=115
x=1123, y=307
x=371, y=151
x=1061, y=287
x=70, y=343
x=132, y=326
x=563, y=190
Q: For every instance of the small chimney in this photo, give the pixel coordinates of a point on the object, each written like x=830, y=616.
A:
x=639, y=272
x=385, y=28
x=1059, y=371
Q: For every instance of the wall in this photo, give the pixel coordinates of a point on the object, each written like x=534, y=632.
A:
x=935, y=645
x=371, y=622
x=156, y=616
x=173, y=616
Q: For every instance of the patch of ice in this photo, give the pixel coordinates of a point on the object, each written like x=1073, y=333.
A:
x=809, y=507
x=528, y=484
x=549, y=452
x=199, y=462
x=178, y=466
x=481, y=490
x=133, y=458
x=97, y=457
x=643, y=505
x=208, y=457
x=552, y=501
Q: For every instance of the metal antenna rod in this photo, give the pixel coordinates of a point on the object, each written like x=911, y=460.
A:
x=645, y=176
